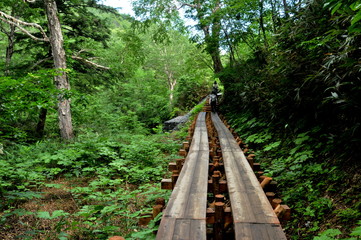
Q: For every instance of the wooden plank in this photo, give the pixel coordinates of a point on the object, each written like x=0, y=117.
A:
x=256, y=231
x=198, y=230
x=259, y=231
x=186, y=210
x=197, y=201
x=243, y=231
x=195, y=167
x=243, y=186
x=275, y=232
x=188, y=229
x=182, y=229
x=179, y=196
x=253, y=215
x=241, y=206
x=166, y=228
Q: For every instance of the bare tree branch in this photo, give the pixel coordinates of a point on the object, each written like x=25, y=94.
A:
x=188, y=5
x=90, y=62
x=77, y=57
x=39, y=62
x=18, y=23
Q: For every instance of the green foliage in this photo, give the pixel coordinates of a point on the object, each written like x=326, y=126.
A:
x=148, y=233
x=348, y=214
x=331, y=234
x=328, y=234
x=106, y=204
x=295, y=102
x=297, y=163
x=21, y=100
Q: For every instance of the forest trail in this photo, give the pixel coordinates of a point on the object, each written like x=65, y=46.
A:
x=237, y=207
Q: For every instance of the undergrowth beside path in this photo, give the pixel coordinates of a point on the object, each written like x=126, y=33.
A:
x=322, y=189
x=92, y=188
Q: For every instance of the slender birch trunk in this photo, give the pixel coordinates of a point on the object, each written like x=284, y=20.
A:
x=61, y=80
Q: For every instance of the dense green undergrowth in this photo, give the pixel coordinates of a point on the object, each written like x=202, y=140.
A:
x=322, y=191
x=92, y=188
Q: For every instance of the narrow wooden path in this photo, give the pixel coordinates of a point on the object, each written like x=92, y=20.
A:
x=185, y=215
x=241, y=211
x=253, y=215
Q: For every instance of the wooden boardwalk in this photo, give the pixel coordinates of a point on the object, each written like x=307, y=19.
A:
x=253, y=216
x=185, y=216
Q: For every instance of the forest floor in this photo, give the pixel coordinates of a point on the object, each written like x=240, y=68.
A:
x=58, y=213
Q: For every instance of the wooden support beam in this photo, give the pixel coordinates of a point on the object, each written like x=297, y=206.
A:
x=271, y=187
x=160, y=201
x=283, y=212
x=265, y=182
x=215, y=181
x=228, y=218
x=219, y=153
x=261, y=178
x=179, y=164
x=182, y=152
x=270, y=196
x=259, y=174
x=287, y=213
x=256, y=166
x=157, y=209
x=275, y=202
x=218, y=221
x=166, y=184
x=222, y=186
x=186, y=146
x=219, y=198
x=116, y=238
x=210, y=216
x=172, y=166
x=144, y=219
x=174, y=178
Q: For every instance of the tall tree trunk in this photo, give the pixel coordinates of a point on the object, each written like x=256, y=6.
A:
x=11, y=44
x=261, y=23
x=61, y=80
x=232, y=58
x=171, y=83
x=274, y=15
x=211, y=33
x=215, y=39
x=286, y=9
x=9, y=49
x=41, y=123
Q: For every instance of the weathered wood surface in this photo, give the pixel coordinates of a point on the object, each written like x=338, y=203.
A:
x=261, y=231
x=253, y=215
x=185, y=214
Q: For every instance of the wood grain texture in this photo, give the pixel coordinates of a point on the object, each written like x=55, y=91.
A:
x=253, y=215
x=186, y=209
x=262, y=231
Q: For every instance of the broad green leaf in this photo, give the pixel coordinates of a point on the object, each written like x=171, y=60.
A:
x=336, y=8
x=356, y=18
x=44, y=215
x=59, y=213
x=328, y=234
x=356, y=231
x=355, y=6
